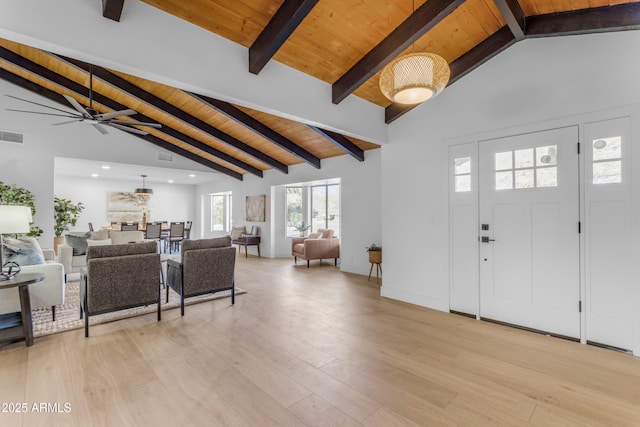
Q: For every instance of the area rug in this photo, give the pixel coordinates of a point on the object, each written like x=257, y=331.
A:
x=68, y=314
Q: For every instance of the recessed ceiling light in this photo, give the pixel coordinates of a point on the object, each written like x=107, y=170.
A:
x=170, y=181
x=192, y=175
x=94, y=175
x=106, y=167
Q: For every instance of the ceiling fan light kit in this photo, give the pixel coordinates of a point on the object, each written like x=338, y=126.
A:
x=91, y=115
x=414, y=78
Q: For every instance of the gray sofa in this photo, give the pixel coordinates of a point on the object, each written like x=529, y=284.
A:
x=206, y=266
x=120, y=277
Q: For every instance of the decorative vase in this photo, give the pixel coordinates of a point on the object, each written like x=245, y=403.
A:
x=375, y=257
x=57, y=240
x=144, y=220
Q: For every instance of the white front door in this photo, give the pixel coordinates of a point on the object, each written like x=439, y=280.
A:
x=530, y=242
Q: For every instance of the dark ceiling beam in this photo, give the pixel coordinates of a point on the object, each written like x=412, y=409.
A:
x=72, y=86
x=59, y=99
x=596, y=20
x=416, y=25
x=112, y=9
x=514, y=17
x=176, y=112
x=341, y=141
x=239, y=116
x=280, y=27
x=487, y=49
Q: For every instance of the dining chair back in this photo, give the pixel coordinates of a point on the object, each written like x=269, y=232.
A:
x=176, y=235
x=129, y=226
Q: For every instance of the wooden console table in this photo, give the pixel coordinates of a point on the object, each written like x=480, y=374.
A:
x=19, y=326
x=247, y=241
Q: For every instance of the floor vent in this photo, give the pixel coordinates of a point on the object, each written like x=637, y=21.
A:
x=11, y=137
x=167, y=157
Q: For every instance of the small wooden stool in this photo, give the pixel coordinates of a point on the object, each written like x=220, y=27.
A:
x=375, y=257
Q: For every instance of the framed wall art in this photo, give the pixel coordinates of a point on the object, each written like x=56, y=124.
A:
x=256, y=208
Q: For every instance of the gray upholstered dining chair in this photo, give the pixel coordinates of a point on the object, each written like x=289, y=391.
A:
x=119, y=277
x=206, y=266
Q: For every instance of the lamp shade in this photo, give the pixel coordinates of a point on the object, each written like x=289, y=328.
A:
x=14, y=219
x=414, y=78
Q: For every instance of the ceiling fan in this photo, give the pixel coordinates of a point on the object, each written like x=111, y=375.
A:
x=92, y=116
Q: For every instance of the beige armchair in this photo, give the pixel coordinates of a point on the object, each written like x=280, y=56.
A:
x=320, y=247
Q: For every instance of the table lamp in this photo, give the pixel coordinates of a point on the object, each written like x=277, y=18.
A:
x=13, y=220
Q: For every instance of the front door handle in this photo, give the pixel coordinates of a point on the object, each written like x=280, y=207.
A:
x=486, y=239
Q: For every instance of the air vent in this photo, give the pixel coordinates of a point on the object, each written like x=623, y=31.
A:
x=167, y=157
x=11, y=137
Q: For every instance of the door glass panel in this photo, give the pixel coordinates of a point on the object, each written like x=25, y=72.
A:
x=547, y=177
x=524, y=159
x=546, y=156
x=607, y=172
x=463, y=183
x=504, y=161
x=462, y=172
x=462, y=165
x=524, y=178
x=607, y=148
x=504, y=180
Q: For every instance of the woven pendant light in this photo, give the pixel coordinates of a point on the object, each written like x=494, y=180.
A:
x=414, y=78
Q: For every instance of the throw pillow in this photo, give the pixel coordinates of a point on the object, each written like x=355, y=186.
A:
x=78, y=242
x=327, y=234
x=100, y=235
x=98, y=242
x=314, y=236
x=237, y=232
x=23, y=251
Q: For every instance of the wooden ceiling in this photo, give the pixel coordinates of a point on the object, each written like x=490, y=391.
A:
x=345, y=43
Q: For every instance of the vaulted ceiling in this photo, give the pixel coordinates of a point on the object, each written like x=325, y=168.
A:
x=344, y=43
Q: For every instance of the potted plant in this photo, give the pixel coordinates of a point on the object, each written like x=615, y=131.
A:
x=14, y=195
x=65, y=214
x=375, y=253
x=301, y=227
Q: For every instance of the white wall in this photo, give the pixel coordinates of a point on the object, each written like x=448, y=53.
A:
x=169, y=202
x=360, y=198
x=537, y=83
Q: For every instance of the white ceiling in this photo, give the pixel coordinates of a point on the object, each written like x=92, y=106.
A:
x=124, y=172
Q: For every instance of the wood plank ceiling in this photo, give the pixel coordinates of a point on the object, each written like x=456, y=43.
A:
x=345, y=43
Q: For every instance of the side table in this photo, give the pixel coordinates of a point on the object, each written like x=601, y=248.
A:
x=247, y=241
x=23, y=330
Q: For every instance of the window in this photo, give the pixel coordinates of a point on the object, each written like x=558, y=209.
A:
x=294, y=215
x=607, y=160
x=311, y=206
x=462, y=174
x=325, y=207
x=526, y=168
x=221, y=211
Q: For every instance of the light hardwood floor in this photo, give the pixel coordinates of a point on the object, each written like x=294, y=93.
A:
x=314, y=347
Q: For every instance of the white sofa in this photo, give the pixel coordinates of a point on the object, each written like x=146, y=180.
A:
x=73, y=264
x=45, y=294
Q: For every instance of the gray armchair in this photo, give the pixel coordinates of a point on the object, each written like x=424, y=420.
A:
x=120, y=277
x=206, y=266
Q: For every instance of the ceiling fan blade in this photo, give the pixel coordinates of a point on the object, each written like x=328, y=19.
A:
x=46, y=114
x=65, y=122
x=134, y=123
x=37, y=103
x=126, y=129
x=77, y=106
x=114, y=114
x=100, y=128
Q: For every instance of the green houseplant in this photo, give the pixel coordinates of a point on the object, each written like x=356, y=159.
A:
x=65, y=214
x=301, y=227
x=14, y=195
x=375, y=253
